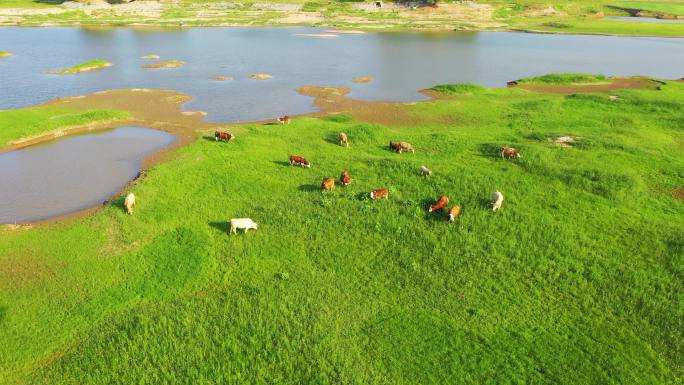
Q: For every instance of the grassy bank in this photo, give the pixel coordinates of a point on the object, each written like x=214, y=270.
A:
x=92, y=65
x=551, y=16
x=577, y=280
x=29, y=122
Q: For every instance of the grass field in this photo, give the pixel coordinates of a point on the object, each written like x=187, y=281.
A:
x=28, y=122
x=550, y=16
x=579, y=279
x=91, y=65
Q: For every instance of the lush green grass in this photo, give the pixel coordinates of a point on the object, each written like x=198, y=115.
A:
x=454, y=89
x=672, y=7
x=28, y=122
x=579, y=279
x=564, y=79
x=91, y=65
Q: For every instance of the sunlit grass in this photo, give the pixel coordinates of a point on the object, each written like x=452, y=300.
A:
x=577, y=280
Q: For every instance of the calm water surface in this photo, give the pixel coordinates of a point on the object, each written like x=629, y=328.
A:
x=72, y=173
x=402, y=63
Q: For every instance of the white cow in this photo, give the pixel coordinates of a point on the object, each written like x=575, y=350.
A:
x=497, y=200
x=129, y=202
x=241, y=223
x=424, y=171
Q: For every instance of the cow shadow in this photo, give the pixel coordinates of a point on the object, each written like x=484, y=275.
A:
x=209, y=138
x=282, y=163
x=221, y=226
x=363, y=196
x=486, y=203
x=309, y=187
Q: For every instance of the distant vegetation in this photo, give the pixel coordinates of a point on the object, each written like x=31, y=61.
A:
x=576, y=280
x=461, y=88
x=564, y=79
x=27, y=122
x=166, y=64
x=554, y=16
x=92, y=65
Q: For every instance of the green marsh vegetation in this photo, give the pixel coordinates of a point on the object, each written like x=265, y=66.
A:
x=92, y=65
x=27, y=122
x=552, y=16
x=565, y=79
x=577, y=280
x=4, y=54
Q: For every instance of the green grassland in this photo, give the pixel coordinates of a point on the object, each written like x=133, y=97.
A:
x=91, y=65
x=550, y=16
x=579, y=279
x=28, y=122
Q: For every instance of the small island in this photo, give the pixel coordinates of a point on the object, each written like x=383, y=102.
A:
x=88, y=66
x=151, y=57
x=222, y=78
x=166, y=64
x=4, y=54
x=260, y=76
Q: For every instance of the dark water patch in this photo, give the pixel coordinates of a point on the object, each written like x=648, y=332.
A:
x=72, y=173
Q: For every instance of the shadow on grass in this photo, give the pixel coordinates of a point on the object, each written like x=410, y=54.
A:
x=3, y=313
x=282, y=163
x=309, y=187
x=51, y=2
x=221, y=226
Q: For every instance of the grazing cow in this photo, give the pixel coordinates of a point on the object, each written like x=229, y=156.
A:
x=328, y=184
x=441, y=203
x=344, y=141
x=394, y=146
x=129, y=203
x=509, y=152
x=223, y=136
x=424, y=171
x=241, y=223
x=406, y=146
x=345, y=179
x=454, y=213
x=497, y=200
x=296, y=160
x=283, y=120
x=380, y=193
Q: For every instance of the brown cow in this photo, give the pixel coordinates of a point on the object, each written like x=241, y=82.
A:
x=345, y=179
x=394, y=146
x=328, y=184
x=380, y=193
x=296, y=160
x=283, y=120
x=441, y=203
x=344, y=141
x=223, y=136
x=509, y=152
x=454, y=213
x=406, y=146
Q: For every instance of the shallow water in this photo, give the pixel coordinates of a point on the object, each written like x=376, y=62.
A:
x=644, y=19
x=401, y=63
x=72, y=173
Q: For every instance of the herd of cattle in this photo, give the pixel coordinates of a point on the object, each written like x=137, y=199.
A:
x=328, y=184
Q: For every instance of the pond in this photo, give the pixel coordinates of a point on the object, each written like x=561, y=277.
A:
x=401, y=63
x=72, y=173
